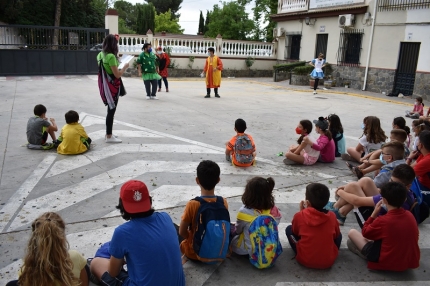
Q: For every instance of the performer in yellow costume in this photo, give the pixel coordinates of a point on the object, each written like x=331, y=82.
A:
x=213, y=68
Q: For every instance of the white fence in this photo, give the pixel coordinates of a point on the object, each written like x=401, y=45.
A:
x=132, y=44
x=287, y=6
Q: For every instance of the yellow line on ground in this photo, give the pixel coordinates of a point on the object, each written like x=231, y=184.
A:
x=300, y=90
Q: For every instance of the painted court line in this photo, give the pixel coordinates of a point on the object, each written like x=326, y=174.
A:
x=100, y=134
x=12, y=205
x=71, y=195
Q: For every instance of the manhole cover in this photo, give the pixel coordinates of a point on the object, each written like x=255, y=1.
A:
x=321, y=97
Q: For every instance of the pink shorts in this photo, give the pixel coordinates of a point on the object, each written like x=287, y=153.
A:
x=309, y=160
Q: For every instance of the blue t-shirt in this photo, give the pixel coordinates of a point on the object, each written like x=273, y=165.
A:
x=151, y=248
x=406, y=205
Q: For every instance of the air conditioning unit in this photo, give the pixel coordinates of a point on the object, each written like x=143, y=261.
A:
x=347, y=20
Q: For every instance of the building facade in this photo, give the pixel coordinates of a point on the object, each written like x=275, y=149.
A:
x=374, y=45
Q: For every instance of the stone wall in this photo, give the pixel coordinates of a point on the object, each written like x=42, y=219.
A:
x=422, y=85
x=132, y=72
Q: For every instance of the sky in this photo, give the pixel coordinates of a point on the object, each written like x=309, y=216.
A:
x=190, y=12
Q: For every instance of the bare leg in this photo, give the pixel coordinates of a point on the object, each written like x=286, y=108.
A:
x=99, y=266
x=51, y=132
x=296, y=158
x=368, y=186
x=372, y=168
x=354, y=153
x=357, y=238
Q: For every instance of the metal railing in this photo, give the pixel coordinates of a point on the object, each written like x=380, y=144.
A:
x=50, y=38
x=350, y=47
x=393, y=5
x=287, y=6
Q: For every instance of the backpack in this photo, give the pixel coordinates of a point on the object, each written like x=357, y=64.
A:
x=109, y=86
x=418, y=207
x=263, y=234
x=212, y=234
x=243, y=149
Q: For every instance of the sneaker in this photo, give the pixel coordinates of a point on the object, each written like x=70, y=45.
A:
x=47, y=146
x=228, y=158
x=207, y=96
x=350, y=166
x=340, y=218
x=330, y=206
x=113, y=139
x=346, y=157
x=92, y=277
x=167, y=90
x=159, y=89
x=353, y=248
x=148, y=97
x=315, y=92
x=217, y=95
x=154, y=97
x=289, y=162
x=357, y=172
x=56, y=143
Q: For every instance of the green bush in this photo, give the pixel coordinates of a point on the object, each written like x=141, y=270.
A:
x=288, y=67
x=328, y=69
x=303, y=70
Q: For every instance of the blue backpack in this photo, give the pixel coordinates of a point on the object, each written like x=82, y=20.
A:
x=418, y=207
x=212, y=234
x=243, y=149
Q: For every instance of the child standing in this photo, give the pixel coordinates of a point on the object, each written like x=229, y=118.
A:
x=73, y=138
x=208, y=173
x=257, y=199
x=303, y=153
x=240, y=148
x=314, y=233
x=38, y=128
x=418, y=109
x=336, y=130
x=324, y=143
x=371, y=140
x=388, y=242
x=317, y=73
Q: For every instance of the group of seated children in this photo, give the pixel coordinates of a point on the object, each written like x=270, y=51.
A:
x=146, y=250
x=73, y=138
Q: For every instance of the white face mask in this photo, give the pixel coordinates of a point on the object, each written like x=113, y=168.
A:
x=159, y=52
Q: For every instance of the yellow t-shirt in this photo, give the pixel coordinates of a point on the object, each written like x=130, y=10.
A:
x=72, y=143
x=78, y=262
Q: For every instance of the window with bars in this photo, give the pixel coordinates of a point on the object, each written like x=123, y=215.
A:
x=292, y=47
x=349, y=47
x=321, y=44
x=393, y=5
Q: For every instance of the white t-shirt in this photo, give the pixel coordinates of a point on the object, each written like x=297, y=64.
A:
x=416, y=141
x=369, y=147
x=308, y=149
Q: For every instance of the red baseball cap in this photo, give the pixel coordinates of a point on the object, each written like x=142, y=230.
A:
x=135, y=197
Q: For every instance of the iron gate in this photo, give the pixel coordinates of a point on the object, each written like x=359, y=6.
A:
x=42, y=50
x=406, y=68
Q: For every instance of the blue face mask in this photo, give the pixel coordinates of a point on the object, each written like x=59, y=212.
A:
x=363, y=126
x=381, y=158
x=150, y=50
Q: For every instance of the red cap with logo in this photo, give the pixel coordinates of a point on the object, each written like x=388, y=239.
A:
x=135, y=197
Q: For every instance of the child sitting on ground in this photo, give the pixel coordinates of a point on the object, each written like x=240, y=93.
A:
x=400, y=123
x=427, y=116
x=422, y=165
x=257, y=200
x=374, y=161
x=388, y=242
x=364, y=195
x=324, y=143
x=314, y=233
x=417, y=127
x=418, y=109
x=372, y=139
x=208, y=173
x=336, y=130
x=38, y=128
x=73, y=138
x=302, y=153
x=241, y=148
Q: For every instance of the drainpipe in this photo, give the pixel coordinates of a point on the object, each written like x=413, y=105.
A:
x=370, y=44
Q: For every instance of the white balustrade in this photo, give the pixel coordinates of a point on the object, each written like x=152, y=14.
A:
x=247, y=49
x=287, y=6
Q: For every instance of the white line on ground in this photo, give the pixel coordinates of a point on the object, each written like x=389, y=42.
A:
x=71, y=195
x=15, y=201
x=100, y=134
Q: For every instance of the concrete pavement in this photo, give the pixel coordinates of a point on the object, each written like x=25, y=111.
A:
x=163, y=141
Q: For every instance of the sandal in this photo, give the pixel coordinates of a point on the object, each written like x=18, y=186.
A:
x=357, y=172
x=350, y=166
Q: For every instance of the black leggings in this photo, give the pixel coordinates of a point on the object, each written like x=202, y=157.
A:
x=208, y=90
x=165, y=83
x=109, y=118
x=316, y=83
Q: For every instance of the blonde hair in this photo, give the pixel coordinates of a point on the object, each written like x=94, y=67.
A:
x=47, y=260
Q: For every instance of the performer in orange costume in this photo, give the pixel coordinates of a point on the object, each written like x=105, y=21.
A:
x=213, y=68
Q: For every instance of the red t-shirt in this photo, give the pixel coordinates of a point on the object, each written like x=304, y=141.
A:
x=317, y=231
x=422, y=170
x=398, y=231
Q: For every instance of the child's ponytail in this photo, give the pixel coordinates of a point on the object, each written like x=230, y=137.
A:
x=307, y=129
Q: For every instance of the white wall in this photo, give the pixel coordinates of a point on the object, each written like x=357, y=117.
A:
x=236, y=64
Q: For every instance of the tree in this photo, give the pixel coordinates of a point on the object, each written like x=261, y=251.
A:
x=56, y=24
x=231, y=21
x=145, y=18
x=201, y=24
x=262, y=11
x=164, y=22
x=127, y=12
x=207, y=22
x=162, y=6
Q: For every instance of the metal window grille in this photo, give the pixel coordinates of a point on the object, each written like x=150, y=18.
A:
x=349, y=47
x=292, y=47
x=321, y=45
x=393, y=5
